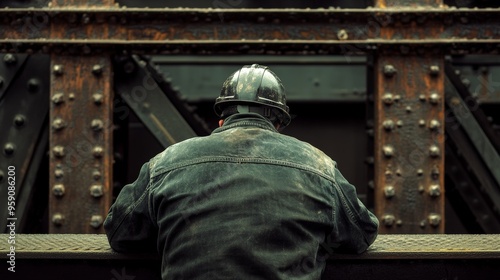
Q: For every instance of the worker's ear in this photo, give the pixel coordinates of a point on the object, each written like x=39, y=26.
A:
x=221, y=122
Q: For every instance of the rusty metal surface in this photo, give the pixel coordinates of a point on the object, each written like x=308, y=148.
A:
x=409, y=130
x=257, y=30
x=389, y=246
x=80, y=143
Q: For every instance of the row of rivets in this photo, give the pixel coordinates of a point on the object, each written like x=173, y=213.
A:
x=389, y=191
x=95, y=190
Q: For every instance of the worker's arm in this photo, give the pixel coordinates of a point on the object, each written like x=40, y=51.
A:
x=355, y=227
x=129, y=226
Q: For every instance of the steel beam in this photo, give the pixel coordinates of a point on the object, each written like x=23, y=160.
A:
x=268, y=31
x=81, y=143
x=409, y=138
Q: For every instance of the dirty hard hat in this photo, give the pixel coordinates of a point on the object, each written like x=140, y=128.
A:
x=258, y=87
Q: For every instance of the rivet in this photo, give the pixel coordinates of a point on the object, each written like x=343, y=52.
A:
x=423, y=223
x=421, y=189
x=388, y=173
x=58, y=98
x=399, y=223
x=19, y=120
x=388, y=125
x=399, y=172
x=57, y=69
x=96, y=124
x=342, y=34
x=434, y=190
x=1, y=81
x=434, y=220
x=58, y=190
x=57, y=219
x=434, y=70
x=97, y=70
x=435, y=172
x=388, y=98
x=71, y=96
x=58, y=124
x=96, y=191
x=97, y=151
x=58, y=173
x=9, y=59
x=420, y=172
x=389, y=70
x=9, y=149
x=434, y=98
x=98, y=98
x=389, y=191
x=96, y=174
x=421, y=97
x=434, y=151
x=408, y=109
x=388, y=220
x=388, y=151
x=96, y=221
x=397, y=97
x=434, y=124
x=1, y=176
x=33, y=84
x=399, y=123
x=421, y=122
x=58, y=151
x=371, y=184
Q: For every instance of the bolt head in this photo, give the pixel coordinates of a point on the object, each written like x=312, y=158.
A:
x=96, y=174
x=342, y=34
x=58, y=98
x=98, y=98
x=434, y=98
x=388, y=151
x=96, y=221
x=9, y=149
x=98, y=151
x=388, y=98
x=388, y=220
x=96, y=124
x=434, y=220
x=57, y=219
x=388, y=125
x=434, y=124
x=434, y=190
x=58, y=173
x=33, y=85
x=434, y=70
x=19, y=120
x=58, y=190
x=389, y=70
x=96, y=191
x=434, y=151
x=389, y=191
x=97, y=70
x=58, y=124
x=9, y=59
x=57, y=69
x=58, y=151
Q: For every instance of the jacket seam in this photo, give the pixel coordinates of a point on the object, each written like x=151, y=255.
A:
x=161, y=171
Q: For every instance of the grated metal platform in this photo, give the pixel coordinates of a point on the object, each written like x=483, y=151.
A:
x=86, y=256
x=404, y=246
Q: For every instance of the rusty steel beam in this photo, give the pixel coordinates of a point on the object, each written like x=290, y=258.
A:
x=81, y=155
x=267, y=31
x=409, y=137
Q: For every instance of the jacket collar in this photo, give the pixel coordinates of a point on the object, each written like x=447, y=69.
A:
x=246, y=120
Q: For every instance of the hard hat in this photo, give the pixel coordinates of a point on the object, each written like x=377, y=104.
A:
x=258, y=87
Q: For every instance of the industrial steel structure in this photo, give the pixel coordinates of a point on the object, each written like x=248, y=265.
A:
x=101, y=60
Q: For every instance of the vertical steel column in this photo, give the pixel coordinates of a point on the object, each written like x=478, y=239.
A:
x=409, y=132
x=81, y=144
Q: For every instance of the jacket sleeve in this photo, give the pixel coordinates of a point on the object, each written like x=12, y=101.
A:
x=355, y=227
x=129, y=226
